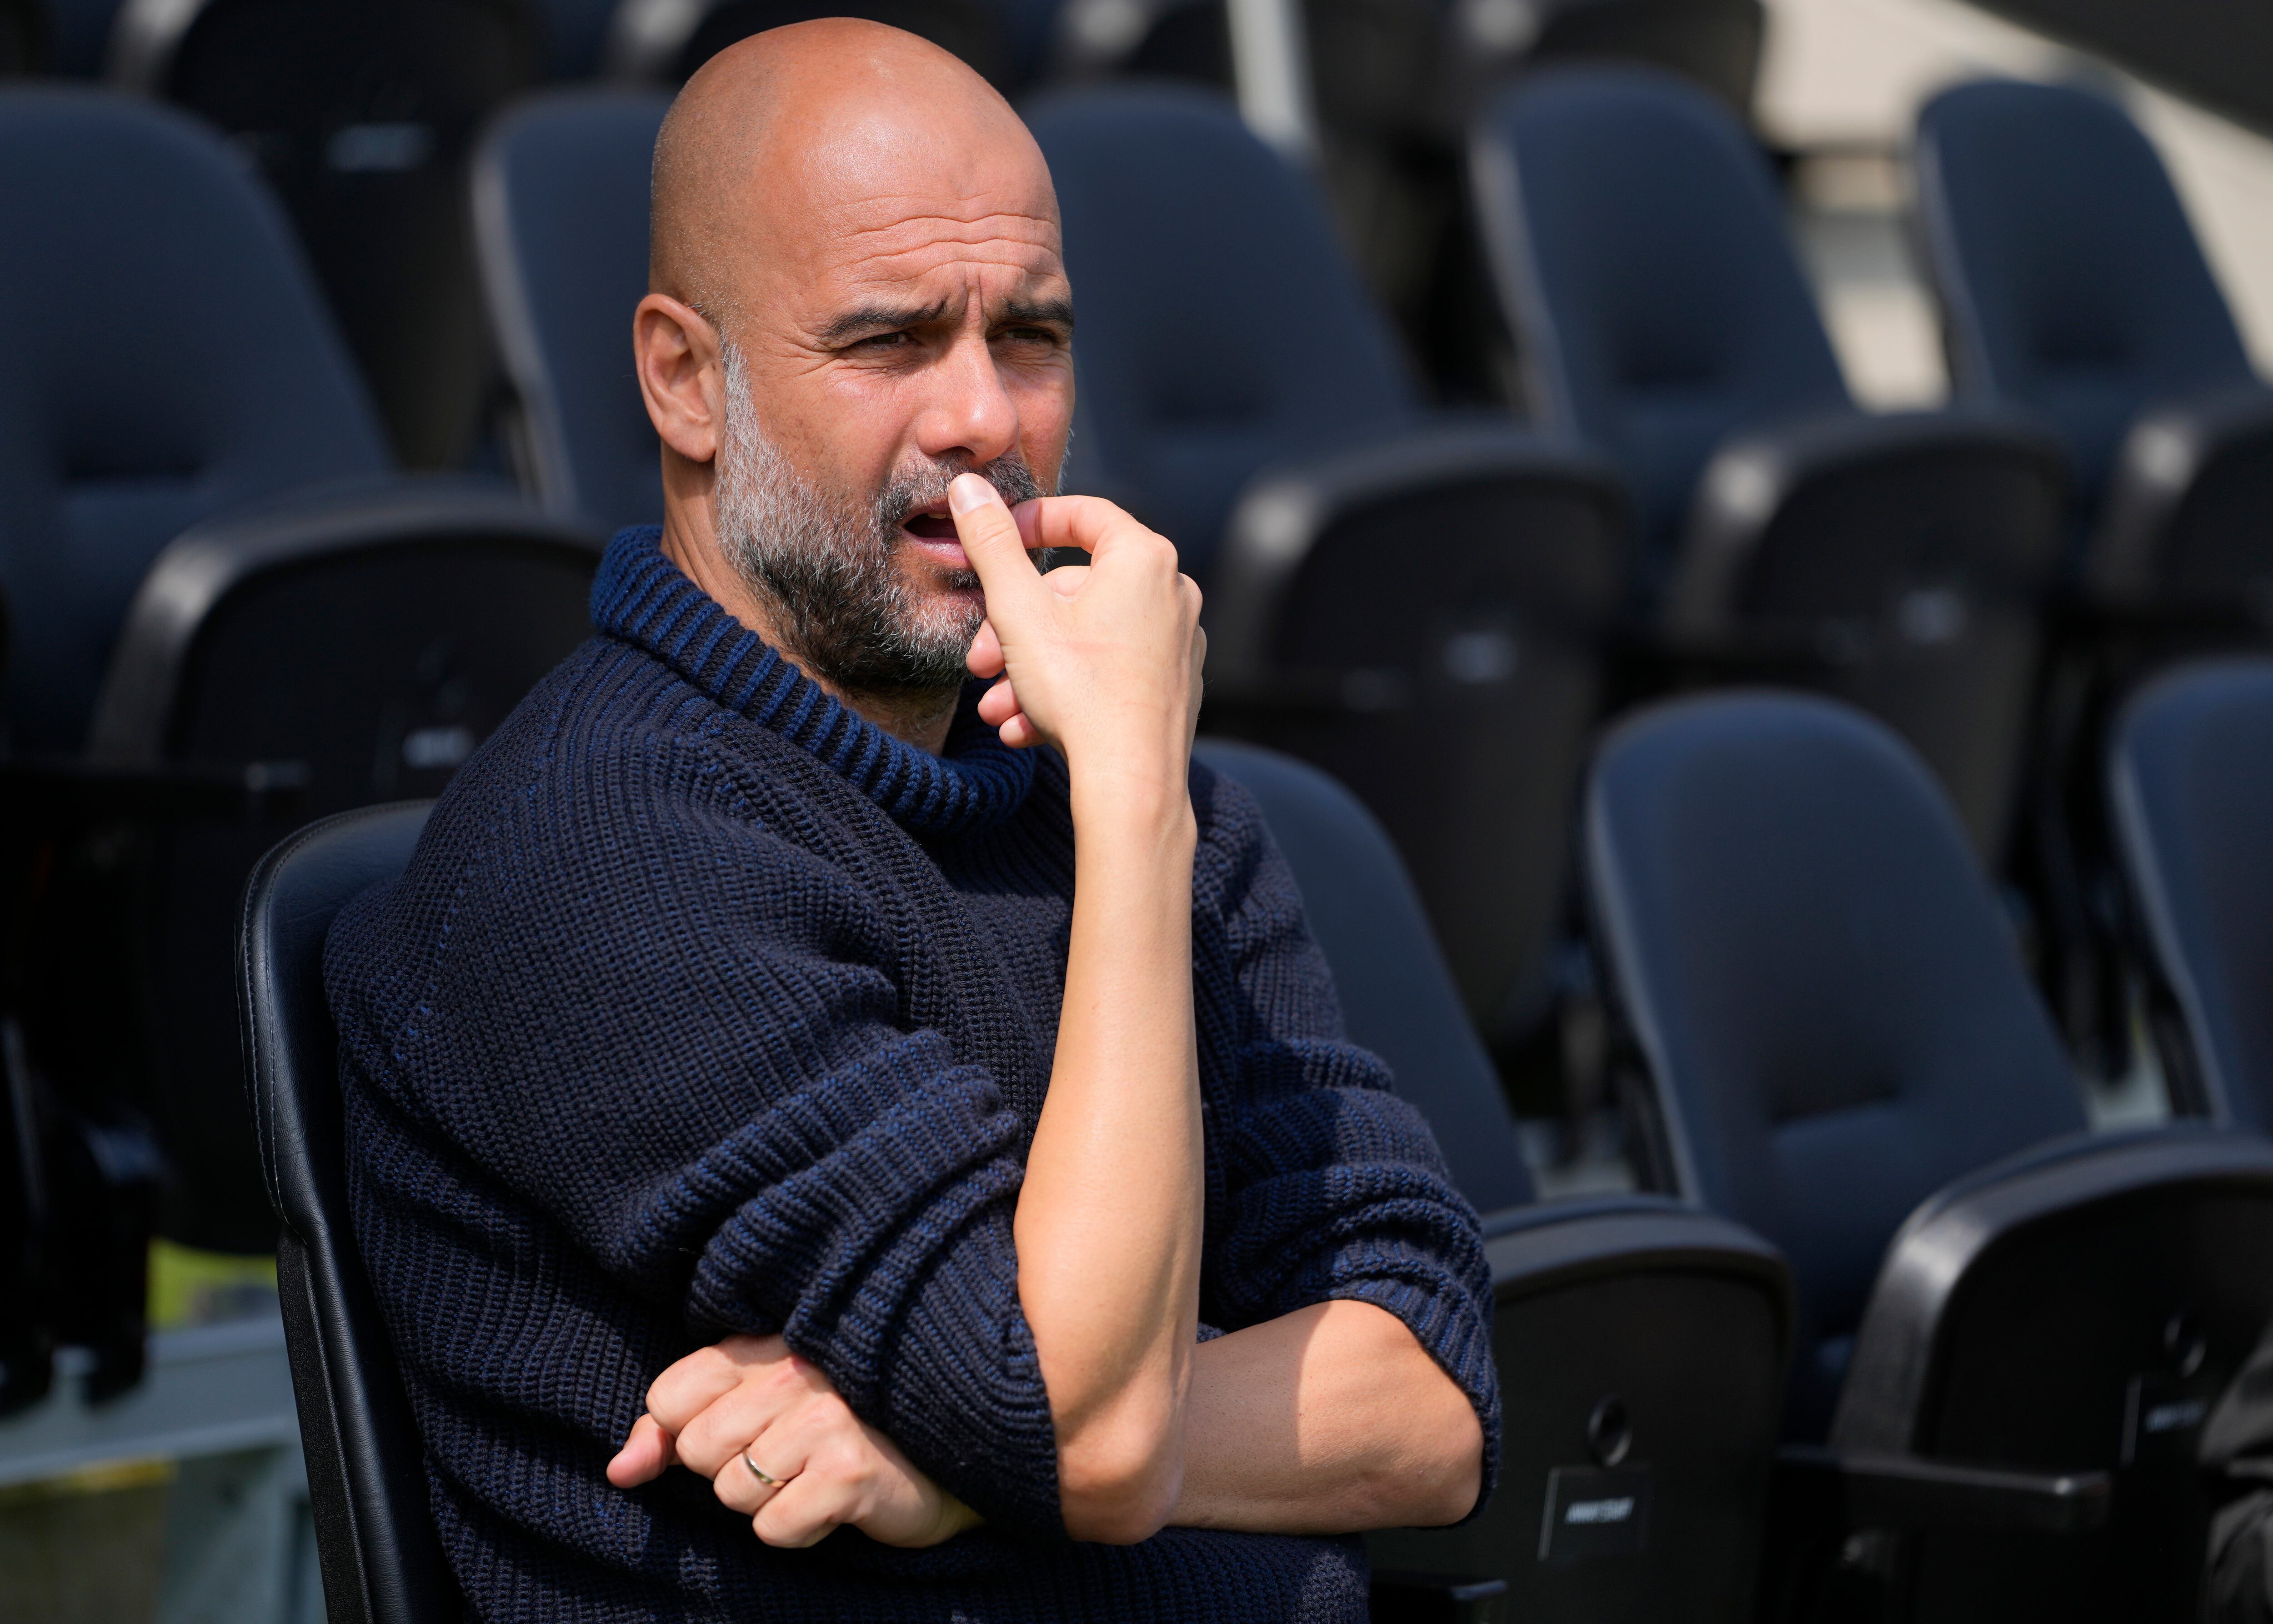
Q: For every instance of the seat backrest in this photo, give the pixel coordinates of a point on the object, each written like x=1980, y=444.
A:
x=375, y=1539
x=1396, y=995
x=663, y=41
x=167, y=357
x=560, y=221
x=2191, y=783
x=1639, y=247
x=1195, y=252
x=2070, y=281
x=1715, y=44
x=1825, y=987
x=361, y=114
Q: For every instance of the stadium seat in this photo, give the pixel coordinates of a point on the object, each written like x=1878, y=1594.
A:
x=663, y=41
x=1844, y=1052
x=324, y=634
x=575, y=32
x=2072, y=284
x=2190, y=788
x=1640, y=252
x=560, y=224
x=1641, y=1344
x=1713, y=43
x=362, y=114
x=1411, y=602
x=27, y=39
x=382, y=1562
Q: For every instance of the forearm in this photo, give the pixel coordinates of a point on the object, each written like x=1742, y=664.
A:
x=1329, y=1420
x=1109, y=1218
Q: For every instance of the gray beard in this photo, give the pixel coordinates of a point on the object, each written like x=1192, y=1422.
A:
x=824, y=560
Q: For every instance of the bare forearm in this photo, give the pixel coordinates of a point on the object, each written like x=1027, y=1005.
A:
x=1107, y=1221
x=1329, y=1421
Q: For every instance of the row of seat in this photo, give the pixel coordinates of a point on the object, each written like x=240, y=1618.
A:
x=2003, y=1334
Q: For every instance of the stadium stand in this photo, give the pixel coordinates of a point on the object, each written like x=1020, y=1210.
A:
x=1895, y=562
x=361, y=114
x=225, y=594
x=560, y=200
x=2072, y=284
x=1844, y=1052
x=2190, y=788
x=1641, y=1344
x=575, y=32
x=1297, y=478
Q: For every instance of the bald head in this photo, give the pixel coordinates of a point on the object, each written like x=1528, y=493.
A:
x=776, y=134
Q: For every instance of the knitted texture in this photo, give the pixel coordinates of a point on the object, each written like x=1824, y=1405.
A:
x=705, y=1006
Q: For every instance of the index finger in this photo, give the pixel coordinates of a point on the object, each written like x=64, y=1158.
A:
x=1089, y=522
x=990, y=538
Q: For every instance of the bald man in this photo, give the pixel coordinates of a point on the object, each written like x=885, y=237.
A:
x=846, y=1120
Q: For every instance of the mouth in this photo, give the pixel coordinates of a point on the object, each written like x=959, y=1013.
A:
x=931, y=528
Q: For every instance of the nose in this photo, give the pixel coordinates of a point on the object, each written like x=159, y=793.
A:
x=969, y=413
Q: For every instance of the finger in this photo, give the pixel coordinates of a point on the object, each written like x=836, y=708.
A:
x=716, y=1435
x=686, y=1388
x=998, y=703
x=986, y=656
x=1019, y=732
x=1067, y=580
x=742, y=1489
x=1090, y=523
x=829, y=1493
x=643, y=1457
x=992, y=542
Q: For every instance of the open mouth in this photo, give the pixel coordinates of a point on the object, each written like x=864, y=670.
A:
x=933, y=523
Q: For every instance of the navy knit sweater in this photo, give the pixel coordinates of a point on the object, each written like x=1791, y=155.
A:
x=705, y=1006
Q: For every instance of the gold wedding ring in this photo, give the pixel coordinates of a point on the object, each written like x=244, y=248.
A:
x=759, y=1473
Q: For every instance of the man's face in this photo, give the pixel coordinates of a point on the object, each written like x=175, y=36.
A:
x=913, y=323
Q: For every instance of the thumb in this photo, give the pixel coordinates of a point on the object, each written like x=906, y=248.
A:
x=991, y=541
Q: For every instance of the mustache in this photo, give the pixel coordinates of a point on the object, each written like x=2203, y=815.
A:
x=923, y=486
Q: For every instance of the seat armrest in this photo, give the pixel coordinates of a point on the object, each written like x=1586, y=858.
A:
x=1402, y=1597
x=2174, y=457
x=1903, y=1494
x=1550, y=1244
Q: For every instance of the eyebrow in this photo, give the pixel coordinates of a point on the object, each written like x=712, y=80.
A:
x=870, y=318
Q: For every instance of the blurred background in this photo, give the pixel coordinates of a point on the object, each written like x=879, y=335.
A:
x=1525, y=361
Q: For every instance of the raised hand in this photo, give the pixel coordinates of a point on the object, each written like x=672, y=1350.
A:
x=747, y=1406
x=1102, y=660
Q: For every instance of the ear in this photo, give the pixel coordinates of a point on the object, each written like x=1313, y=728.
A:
x=682, y=377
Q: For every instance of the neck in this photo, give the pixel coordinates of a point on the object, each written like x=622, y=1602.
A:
x=919, y=720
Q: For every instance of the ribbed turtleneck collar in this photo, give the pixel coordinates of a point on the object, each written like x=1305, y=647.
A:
x=642, y=597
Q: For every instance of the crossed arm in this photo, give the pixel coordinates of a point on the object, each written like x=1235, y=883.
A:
x=1329, y=1420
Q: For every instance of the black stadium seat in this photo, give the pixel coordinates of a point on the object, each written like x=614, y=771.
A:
x=362, y=114
x=2072, y=284
x=221, y=595
x=1412, y=601
x=382, y=1563
x=2191, y=786
x=1640, y=250
x=560, y=223
x=1641, y=1344
x=1847, y=1056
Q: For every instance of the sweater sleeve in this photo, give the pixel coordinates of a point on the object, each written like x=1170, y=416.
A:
x=678, y=1037
x=1325, y=1184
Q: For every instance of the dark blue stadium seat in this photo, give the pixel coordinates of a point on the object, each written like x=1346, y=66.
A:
x=205, y=374
x=560, y=223
x=362, y=114
x=575, y=32
x=80, y=32
x=2068, y=275
x=1641, y=1344
x=223, y=595
x=1847, y=1056
x=2073, y=285
x=2191, y=787
x=1243, y=395
x=1639, y=247
x=1222, y=326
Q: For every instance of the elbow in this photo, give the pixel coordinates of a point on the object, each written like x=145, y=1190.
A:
x=1447, y=1486
x=1118, y=1487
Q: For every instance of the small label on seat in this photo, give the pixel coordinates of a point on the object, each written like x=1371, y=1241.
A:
x=1595, y=1511
x=2162, y=1413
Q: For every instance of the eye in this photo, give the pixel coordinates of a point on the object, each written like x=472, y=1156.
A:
x=878, y=342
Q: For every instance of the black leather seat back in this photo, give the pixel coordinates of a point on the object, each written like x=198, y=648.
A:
x=382, y=1562
x=1825, y=988
x=374, y=637
x=1397, y=996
